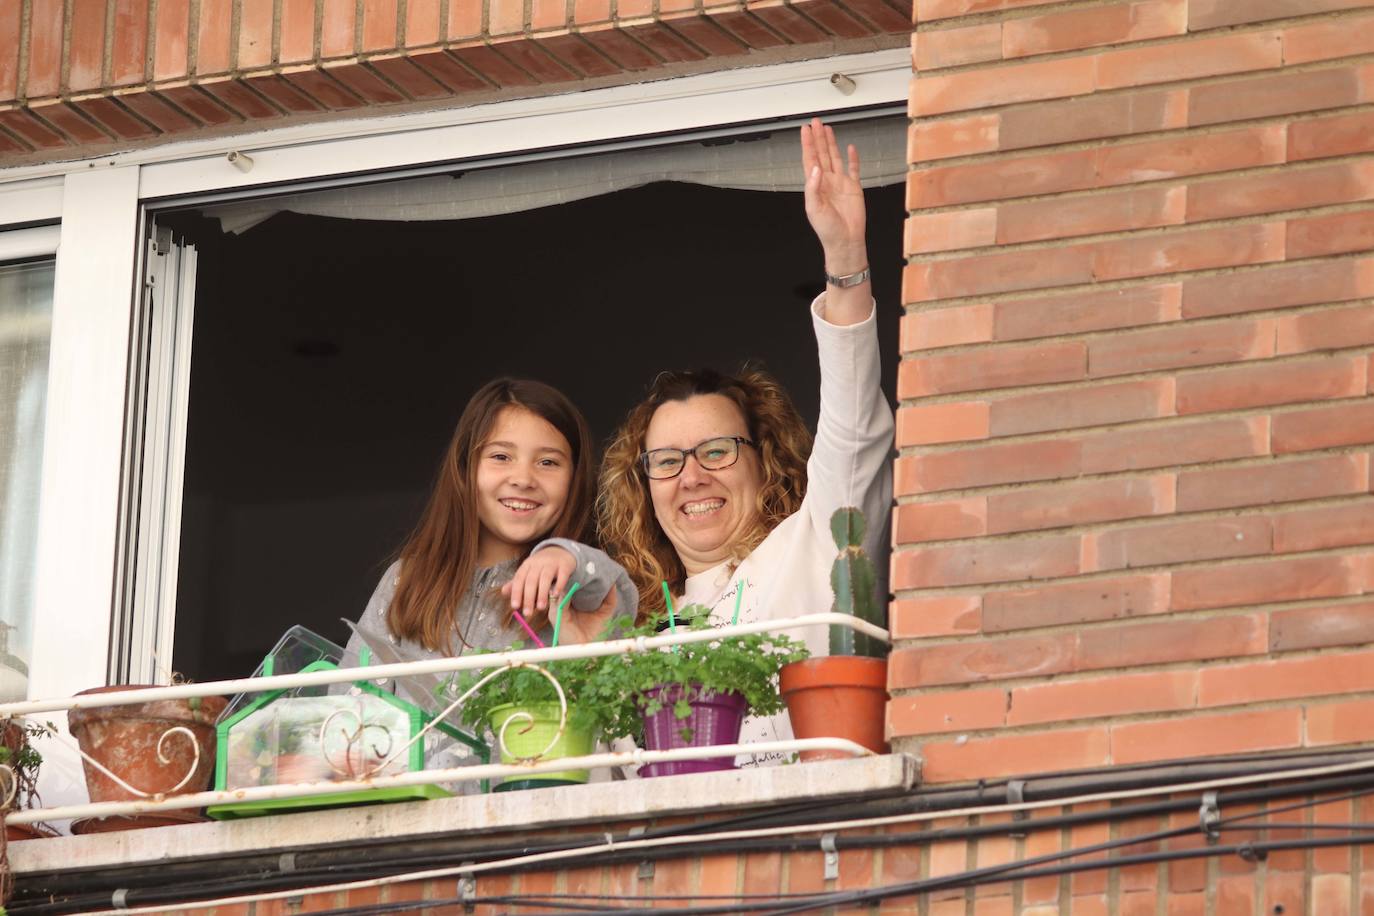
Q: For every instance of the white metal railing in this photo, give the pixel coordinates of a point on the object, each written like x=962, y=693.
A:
x=379, y=673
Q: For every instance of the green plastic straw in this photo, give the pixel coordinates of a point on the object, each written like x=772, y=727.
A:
x=739, y=596
x=672, y=619
x=558, y=617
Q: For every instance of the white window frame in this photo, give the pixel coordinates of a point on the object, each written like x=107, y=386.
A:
x=102, y=206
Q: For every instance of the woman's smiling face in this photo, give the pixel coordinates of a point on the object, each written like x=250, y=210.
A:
x=524, y=469
x=704, y=514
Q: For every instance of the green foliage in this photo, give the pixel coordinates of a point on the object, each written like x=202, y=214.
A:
x=18, y=753
x=747, y=665
x=525, y=685
x=855, y=584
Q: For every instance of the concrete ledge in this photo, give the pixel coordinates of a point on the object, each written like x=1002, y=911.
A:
x=504, y=812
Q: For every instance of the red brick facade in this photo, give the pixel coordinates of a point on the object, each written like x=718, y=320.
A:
x=83, y=76
x=1135, y=520
x=1176, y=876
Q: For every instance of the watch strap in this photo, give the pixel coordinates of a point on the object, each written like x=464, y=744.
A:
x=849, y=280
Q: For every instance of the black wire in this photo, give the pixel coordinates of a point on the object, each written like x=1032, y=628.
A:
x=272, y=880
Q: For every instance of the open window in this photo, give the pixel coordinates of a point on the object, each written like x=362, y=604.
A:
x=315, y=349
x=27, y=260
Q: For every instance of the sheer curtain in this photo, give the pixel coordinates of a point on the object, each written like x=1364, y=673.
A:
x=763, y=162
x=25, y=326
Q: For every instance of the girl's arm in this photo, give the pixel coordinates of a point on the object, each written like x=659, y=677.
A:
x=604, y=590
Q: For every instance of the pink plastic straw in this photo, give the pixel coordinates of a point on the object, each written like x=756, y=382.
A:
x=520, y=619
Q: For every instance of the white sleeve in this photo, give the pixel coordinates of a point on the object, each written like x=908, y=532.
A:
x=851, y=462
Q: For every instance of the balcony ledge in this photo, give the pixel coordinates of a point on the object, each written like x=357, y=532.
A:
x=529, y=810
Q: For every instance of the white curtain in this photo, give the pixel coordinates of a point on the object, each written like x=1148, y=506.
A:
x=25, y=328
x=766, y=163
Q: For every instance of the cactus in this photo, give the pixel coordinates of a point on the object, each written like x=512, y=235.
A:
x=855, y=583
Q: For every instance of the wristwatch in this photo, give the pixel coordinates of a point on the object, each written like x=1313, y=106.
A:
x=848, y=280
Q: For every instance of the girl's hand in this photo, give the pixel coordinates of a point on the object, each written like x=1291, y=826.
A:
x=543, y=576
x=587, y=626
x=834, y=199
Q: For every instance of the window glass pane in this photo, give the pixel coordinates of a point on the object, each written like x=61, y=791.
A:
x=25, y=327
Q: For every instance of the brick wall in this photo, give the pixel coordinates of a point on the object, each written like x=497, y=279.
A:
x=1134, y=519
x=81, y=76
x=1334, y=881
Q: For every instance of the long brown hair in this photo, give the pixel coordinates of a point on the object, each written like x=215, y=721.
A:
x=440, y=556
x=629, y=529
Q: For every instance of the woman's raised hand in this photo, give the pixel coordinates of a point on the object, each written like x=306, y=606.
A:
x=835, y=207
x=834, y=199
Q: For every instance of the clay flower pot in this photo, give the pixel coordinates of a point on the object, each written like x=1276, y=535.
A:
x=840, y=696
x=125, y=738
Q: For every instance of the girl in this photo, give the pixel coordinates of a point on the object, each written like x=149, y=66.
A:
x=500, y=536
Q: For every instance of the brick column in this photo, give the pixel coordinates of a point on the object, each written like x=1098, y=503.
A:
x=1134, y=519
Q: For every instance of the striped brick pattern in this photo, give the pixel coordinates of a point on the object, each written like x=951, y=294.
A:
x=79, y=76
x=1336, y=881
x=1135, y=519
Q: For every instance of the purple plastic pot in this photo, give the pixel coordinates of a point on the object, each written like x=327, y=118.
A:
x=716, y=719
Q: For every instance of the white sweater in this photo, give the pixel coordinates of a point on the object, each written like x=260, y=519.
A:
x=850, y=465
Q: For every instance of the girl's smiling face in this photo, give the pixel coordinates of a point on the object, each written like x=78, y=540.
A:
x=523, y=471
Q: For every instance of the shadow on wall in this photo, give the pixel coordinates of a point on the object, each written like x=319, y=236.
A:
x=333, y=357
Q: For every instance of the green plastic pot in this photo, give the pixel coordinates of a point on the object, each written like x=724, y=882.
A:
x=527, y=739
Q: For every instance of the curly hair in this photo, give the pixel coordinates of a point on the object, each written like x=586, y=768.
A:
x=629, y=529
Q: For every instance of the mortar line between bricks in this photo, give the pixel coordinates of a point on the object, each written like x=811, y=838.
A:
x=1094, y=287
x=937, y=25
x=1117, y=140
x=1167, y=229
x=1126, y=283
x=1252, y=28
x=1110, y=720
x=1012, y=684
x=1147, y=232
x=1289, y=507
x=1163, y=618
x=1286, y=508
x=1032, y=343
x=1214, y=563
x=1007, y=15
x=1210, y=464
x=1215, y=464
x=1295, y=166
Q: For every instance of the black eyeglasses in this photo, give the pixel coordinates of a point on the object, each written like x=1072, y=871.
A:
x=713, y=455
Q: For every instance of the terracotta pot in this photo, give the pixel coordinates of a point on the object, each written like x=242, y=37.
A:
x=840, y=696
x=23, y=832
x=124, y=739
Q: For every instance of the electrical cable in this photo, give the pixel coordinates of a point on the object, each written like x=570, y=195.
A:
x=698, y=840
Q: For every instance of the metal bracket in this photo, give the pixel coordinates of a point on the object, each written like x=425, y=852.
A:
x=646, y=867
x=1016, y=795
x=467, y=891
x=1209, y=816
x=832, y=857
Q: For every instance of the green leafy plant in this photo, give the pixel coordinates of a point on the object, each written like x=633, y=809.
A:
x=524, y=686
x=747, y=665
x=855, y=584
x=18, y=753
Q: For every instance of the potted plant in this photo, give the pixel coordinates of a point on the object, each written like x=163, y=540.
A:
x=520, y=707
x=152, y=747
x=692, y=695
x=844, y=695
x=18, y=754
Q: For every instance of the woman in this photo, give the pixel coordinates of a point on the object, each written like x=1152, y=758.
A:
x=708, y=483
